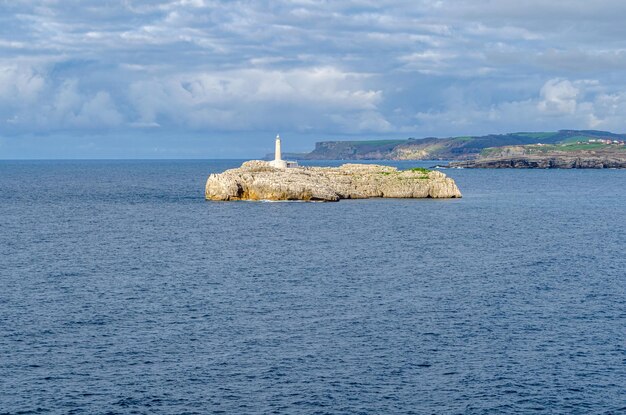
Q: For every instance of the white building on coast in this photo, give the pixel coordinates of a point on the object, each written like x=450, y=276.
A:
x=278, y=161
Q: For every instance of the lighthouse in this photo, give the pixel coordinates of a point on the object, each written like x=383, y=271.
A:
x=277, y=153
x=278, y=161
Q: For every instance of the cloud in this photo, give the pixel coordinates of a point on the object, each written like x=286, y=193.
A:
x=253, y=98
x=558, y=97
x=98, y=110
x=20, y=84
x=559, y=104
x=31, y=102
x=581, y=61
x=313, y=68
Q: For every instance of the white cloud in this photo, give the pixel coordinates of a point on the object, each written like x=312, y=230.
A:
x=356, y=66
x=559, y=104
x=254, y=98
x=31, y=101
x=98, y=110
x=558, y=96
x=20, y=84
x=428, y=61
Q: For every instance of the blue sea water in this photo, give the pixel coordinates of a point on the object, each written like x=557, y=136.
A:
x=123, y=291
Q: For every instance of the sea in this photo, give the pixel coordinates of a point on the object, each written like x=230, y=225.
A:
x=122, y=291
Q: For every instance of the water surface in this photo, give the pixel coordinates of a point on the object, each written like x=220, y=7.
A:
x=123, y=291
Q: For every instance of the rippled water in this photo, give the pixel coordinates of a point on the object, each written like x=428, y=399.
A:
x=123, y=291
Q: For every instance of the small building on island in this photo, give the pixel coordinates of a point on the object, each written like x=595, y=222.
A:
x=278, y=161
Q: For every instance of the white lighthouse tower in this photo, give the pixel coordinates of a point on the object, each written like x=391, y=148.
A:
x=278, y=161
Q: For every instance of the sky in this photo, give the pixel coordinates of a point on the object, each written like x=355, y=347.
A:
x=219, y=79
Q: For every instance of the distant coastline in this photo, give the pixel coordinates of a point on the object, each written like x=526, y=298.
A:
x=560, y=149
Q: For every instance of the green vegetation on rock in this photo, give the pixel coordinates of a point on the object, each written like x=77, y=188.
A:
x=420, y=170
x=536, y=135
x=376, y=142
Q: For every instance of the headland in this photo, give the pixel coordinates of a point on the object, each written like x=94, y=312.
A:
x=596, y=154
x=559, y=149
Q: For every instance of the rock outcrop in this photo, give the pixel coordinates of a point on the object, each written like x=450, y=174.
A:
x=545, y=162
x=257, y=180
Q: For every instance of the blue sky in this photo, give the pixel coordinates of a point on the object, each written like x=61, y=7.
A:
x=213, y=79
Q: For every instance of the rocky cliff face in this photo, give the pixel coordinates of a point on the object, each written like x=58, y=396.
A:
x=257, y=180
x=545, y=162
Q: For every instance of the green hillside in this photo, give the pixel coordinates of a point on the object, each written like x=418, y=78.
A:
x=452, y=148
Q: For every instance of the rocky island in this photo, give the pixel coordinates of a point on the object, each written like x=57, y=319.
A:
x=285, y=180
x=259, y=180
